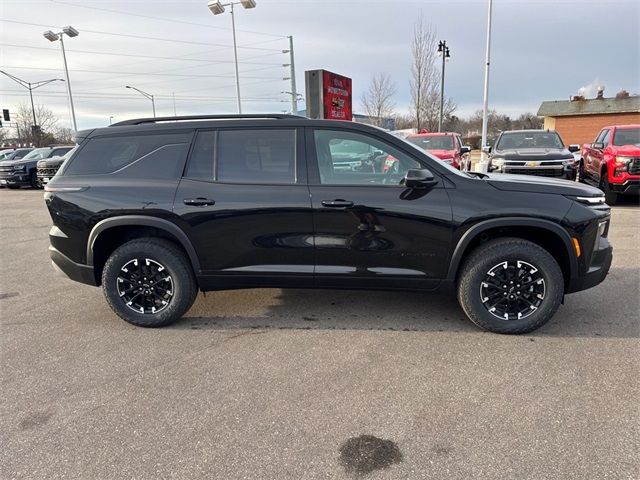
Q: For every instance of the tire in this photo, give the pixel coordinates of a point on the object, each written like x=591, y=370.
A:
x=522, y=257
x=151, y=257
x=580, y=177
x=34, y=182
x=609, y=197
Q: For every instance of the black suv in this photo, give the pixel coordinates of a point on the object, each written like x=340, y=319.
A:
x=533, y=152
x=156, y=209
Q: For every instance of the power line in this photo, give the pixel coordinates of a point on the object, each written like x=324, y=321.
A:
x=117, y=54
x=109, y=72
x=157, y=39
x=163, y=19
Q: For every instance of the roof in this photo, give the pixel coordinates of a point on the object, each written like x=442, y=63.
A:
x=594, y=106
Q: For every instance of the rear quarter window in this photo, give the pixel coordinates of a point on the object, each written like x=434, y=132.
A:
x=136, y=156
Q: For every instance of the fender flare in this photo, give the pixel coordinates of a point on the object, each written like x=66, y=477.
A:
x=144, y=221
x=478, y=228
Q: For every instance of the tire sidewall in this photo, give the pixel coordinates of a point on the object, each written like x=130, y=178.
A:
x=182, y=279
x=469, y=288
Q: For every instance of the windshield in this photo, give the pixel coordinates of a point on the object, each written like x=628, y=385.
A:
x=627, y=136
x=36, y=154
x=515, y=140
x=432, y=142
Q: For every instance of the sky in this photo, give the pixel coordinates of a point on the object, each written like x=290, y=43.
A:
x=540, y=50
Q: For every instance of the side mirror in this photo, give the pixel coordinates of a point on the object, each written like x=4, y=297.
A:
x=597, y=146
x=419, y=178
x=487, y=149
x=574, y=148
x=465, y=149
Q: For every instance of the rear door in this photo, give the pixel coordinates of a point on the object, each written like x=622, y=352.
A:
x=245, y=205
x=370, y=231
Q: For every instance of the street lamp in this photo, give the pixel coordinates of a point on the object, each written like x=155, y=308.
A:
x=31, y=86
x=52, y=37
x=216, y=7
x=148, y=95
x=444, y=51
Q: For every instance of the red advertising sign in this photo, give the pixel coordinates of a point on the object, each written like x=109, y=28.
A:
x=336, y=95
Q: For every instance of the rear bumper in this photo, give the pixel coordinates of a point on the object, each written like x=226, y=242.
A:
x=627, y=187
x=75, y=271
x=598, y=270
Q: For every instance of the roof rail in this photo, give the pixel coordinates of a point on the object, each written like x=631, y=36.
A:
x=139, y=121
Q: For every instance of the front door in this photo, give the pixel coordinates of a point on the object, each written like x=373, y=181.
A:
x=248, y=213
x=369, y=230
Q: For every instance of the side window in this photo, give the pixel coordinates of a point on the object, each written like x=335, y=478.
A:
x=158, y=155
x=201, y=162
x=349, y=158
x=605, y=139
x=256, y=156
x=600, y=136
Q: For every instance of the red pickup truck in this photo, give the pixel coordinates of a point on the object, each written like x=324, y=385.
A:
x=612, y=161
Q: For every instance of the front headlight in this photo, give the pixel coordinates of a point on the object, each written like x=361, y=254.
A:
x=497, y=161
x=18, y=167
x=621, y=165
x=570, y=161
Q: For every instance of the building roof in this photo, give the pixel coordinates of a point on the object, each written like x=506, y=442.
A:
x=594, y=106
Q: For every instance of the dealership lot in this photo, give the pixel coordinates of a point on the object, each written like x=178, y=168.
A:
x=272, y=383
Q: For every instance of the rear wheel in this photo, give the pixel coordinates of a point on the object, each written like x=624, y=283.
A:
x=149, y=282
x=610, y=197
x=510, y=285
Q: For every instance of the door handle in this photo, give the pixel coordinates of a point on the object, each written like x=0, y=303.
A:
x=337, y=203
x=199, y=202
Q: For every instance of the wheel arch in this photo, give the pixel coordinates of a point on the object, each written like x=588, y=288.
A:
x=545, y=233
x=133, y=226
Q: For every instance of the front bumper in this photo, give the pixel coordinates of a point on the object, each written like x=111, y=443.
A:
x=75, y=271
x=627, y=187
x=598, y=269
x=18, y=177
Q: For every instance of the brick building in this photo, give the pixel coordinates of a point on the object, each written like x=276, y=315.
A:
x=579, y=120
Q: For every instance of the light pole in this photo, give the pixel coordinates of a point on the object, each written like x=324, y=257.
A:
x=216, y=7
x=485, y=106
x=52, y=37
x=148, y=95
x=31, y=86
x=444, y=51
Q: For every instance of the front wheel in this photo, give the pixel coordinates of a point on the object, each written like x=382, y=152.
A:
x=609, y=197
x=149, y=282
x=510, y=285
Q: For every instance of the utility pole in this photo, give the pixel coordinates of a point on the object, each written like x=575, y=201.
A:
x=485, y=112
x=294, y=92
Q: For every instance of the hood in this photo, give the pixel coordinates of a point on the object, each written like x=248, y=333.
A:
x=50, y=162
x=628, y=151
x=443, y=154
x=532, y=183
x=534, y=154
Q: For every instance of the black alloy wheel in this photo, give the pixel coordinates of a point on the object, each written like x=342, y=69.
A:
x=512, y=290
x=145, y=286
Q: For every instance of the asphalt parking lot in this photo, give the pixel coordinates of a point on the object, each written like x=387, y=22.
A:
x=282, y=384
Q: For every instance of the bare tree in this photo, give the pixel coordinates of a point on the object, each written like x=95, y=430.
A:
x=47, y=125
x=64, y=135
x=425, y=80
x=377, y=101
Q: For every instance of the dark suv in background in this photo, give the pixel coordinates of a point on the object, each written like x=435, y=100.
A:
x=15, y=173
x=48, y=167
x=156, y=209
x=533, y=152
